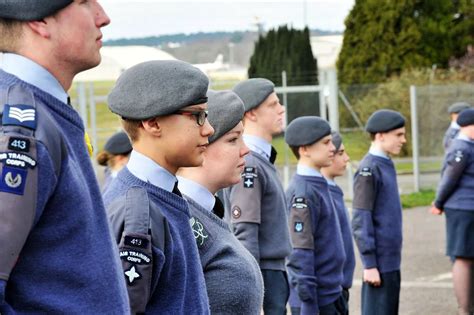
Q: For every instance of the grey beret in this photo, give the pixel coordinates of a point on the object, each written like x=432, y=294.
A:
x=119, y=143
x=466, y=117
x=306, y=130
x=30, y=10
x=384, y=120
x=226, y=110
x=336, y=140
x=254, y=91
x=157, y=88
x=457, y=107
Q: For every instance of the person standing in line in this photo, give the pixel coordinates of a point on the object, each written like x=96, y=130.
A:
x=233, y=278
x=315, y=266
x=256, y=206
x=57, y=253
x=337, y=169
x=163, y=105
x=114, y=156
x=455, y=198
x=453, y=130
x=377, y=214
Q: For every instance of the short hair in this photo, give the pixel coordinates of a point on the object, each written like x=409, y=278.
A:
x=372, y=136
x=295, y=150
x=131, y=127
x=10, y=32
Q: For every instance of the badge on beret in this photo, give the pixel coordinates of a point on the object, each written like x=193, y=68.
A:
x=299, y=226
x=236, y=212
x=200, y=233
x=365, y=171
x=458, y=156
x=299, y=203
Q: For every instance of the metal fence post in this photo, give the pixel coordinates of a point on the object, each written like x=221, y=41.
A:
x=414, y=137
x=286, y=168
x=333, y=100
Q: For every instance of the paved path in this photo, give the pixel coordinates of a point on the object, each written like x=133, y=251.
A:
x=426, y=271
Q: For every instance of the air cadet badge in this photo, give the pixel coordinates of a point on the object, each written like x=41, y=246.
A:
x=299, y=203
x=249, y=176
x=458, y=156
x=299, y=227
x=365, y=171
x=236, y=212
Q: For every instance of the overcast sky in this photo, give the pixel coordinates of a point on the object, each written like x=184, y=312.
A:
x=138, y=18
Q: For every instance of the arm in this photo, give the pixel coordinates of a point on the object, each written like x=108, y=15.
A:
x=245, y=204
x=301, y=271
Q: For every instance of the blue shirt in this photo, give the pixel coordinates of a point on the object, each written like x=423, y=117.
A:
x=197, y=192
x=374, y=151
x=34, y=74
x=304, y=170
x=150, y=172
x=258, y=145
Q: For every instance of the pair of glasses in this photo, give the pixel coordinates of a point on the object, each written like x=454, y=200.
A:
x=200, y=115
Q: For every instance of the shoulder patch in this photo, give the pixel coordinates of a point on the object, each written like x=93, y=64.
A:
x=299, y=203
x=15, y=159
x=19, y=115
x=236, y=212
x=19, y=144
x=458, y=156
x=200, y=233
x=13, y=180
x=365, y=171
x=299, y=227
x=249, y=174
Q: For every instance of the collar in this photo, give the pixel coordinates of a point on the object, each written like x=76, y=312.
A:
x=197, y=192
x=331, y=182
x=463, y=137
x=259, y=145
x=149, y=171
x=374, y=151
x=454, y=125
x=34, y=74
x=304, y=170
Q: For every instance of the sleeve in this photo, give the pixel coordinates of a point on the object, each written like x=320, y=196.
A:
x=245, y=205
x=302, y=224
x=362, y=219
x=455, y=163
x=21, y=195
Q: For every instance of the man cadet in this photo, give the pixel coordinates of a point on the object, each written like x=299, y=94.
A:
x=57, y=254
x=256, y=206
x=453, y=129
x=377, y=214
x=316, y=263
x=163, y=106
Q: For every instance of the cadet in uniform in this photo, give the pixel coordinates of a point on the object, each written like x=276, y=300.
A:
x=233, y=278
x=256, y=206
x=57, y=254
x=336, y=169
x=453, y=129
x=316, y=264
x=163, y=106
x=377, y=214
x=114, y=156
x=455, y=198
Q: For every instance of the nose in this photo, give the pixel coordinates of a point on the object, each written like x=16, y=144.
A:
x=244, y=150
x=206, y=129
x=102, y=19
x=346, y=157
x=332, y=147
x=404, y=140
x=282, y=108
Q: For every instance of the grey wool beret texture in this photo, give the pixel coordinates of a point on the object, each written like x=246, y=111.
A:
x=306, y=130
x=157, y=88
x=119, y=143
x=254, y=91
x=30, y=10
x=336, y=140
x=226, y=110
x=457, y=107
x=466, y=117
x=384, y=120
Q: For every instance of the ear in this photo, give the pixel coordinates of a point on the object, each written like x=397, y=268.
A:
x=152, y=127
x=251, y=115
x=303, y=151
x=40, y=28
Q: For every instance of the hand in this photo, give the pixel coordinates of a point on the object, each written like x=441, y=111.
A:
x=434, y=210
x=372, y=277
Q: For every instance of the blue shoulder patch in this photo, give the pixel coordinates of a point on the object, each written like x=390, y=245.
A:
x=19, y=115
x=365, y=171
x=13, y=180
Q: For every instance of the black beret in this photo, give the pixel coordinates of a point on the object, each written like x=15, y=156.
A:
x=384, y=120
x=466, y=117
x=226, y=110
x=157, y=88
x=254, y=91
x=119, y=143
x=336, y=140
x=30, y=10
x=457, y=107
x=306, y=130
